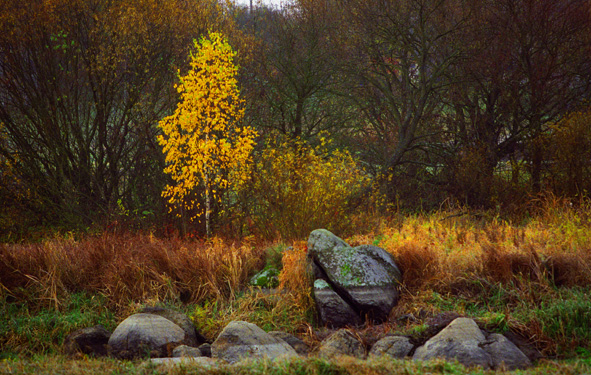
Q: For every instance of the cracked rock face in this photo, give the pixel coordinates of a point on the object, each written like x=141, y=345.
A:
x=357, y=282
x=332, y=309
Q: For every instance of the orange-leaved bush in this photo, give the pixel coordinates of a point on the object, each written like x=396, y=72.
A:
x=297, y=187
x=204, y=147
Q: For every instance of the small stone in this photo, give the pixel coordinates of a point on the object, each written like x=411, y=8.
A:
x=205, y=362
x=205, y=349
x=186, y=351
x=341, y=343
x=460, y=340
x=393, y=346
x=505, y=354
x=267, y=278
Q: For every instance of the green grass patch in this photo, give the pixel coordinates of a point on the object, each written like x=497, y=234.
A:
x=28, y=331
x=565, y=318
x=269, y=311
x=52, y=364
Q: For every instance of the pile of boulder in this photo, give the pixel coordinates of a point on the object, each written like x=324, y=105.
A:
x=351, y=285
x=461, y=340
x=167, y=336
x=155, y=336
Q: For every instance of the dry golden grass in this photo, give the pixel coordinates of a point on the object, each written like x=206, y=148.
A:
x=442, y=249
x=127, y=269
x=295, y=279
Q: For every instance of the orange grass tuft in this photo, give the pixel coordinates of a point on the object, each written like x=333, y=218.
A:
x=442, y=249
x=420, y=265
x=127, y=268
x=295, y=279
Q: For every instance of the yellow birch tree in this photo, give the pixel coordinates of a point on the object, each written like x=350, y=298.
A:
x=203, y=144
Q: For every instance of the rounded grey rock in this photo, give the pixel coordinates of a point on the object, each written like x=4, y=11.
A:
x=142, y=335
x=393, y=346
x=341, y=343
x=460, y=340
x=242, y=340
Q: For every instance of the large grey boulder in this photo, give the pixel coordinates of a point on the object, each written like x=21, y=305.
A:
x=341, y=343
x=364, y=277
x=240, y=340
x=464, y=341
x=142, y=335
x=392, y=346
x=460, y=340
x=91, y=341
x=192, y=337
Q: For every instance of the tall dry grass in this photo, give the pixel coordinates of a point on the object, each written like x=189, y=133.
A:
x=126, y=268
x=435, y=251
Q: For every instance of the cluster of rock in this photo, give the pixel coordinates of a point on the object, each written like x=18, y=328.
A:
x=157, y=337
x=351, y=284
x=461, y=340
x=154, y=334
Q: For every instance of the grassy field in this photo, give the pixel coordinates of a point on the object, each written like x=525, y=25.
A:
x=311, y=366
x=531, y=280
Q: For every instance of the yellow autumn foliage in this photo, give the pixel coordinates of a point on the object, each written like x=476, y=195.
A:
x=297, y=187
x=205, y=148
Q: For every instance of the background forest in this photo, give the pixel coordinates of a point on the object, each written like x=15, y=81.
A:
x=359, y=107
x=163, y=152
